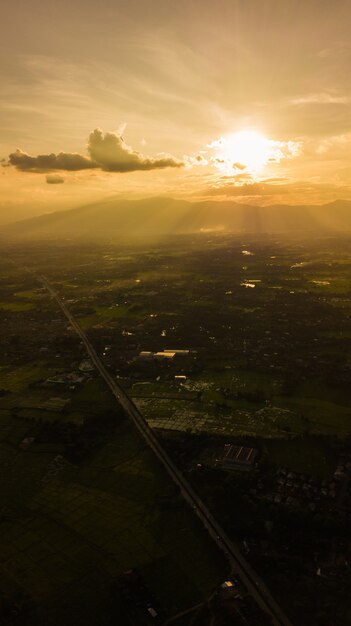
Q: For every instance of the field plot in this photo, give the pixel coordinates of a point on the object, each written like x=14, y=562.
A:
x=15, y=307
x=259, y=410
x=16, y=380
x=117, y=511
x=83, y=498
x=262, y=327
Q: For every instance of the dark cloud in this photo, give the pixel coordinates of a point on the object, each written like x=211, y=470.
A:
x=67, y=161
x=113, y=155
x=54, y=179
x=108, y=152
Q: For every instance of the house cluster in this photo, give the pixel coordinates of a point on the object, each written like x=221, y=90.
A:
x=66, y=378
x=343, y=469
x=86, y=366
x=55, y=467
x=296, y=489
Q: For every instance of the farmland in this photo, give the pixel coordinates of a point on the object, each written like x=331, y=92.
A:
x=267, y=329
x=85, y=499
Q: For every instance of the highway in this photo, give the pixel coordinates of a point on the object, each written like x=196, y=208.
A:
x=238, y=563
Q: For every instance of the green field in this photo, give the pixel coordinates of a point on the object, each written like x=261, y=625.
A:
x=16, y=307
x=310, y=455
x=312, y=410
x=68, y=531
x=108, y=314
x=16, y=380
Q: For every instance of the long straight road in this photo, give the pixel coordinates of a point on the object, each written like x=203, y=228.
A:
x=238, y=563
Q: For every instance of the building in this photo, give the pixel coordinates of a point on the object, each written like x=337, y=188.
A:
x=179, y=352
x=145, y=354
x=55, y=404
x=230, y=589
x=238, y=457
x=165, y=356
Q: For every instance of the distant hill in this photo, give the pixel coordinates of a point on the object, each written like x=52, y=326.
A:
x=115, y=219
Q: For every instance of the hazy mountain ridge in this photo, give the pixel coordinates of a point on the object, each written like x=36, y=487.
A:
x=113, y=218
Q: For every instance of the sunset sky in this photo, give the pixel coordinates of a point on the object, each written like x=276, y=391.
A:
x=229, y=99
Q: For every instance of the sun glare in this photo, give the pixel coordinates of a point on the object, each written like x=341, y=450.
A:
x=249, y=151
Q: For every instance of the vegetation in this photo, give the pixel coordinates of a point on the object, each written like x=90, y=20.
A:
x=268, y=368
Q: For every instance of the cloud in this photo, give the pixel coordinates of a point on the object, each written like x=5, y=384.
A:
x=252, y=189
x=107, y=151
x=322, y=98
x=336, y=143
x=281, y=191
x=250, y=151
x=54, y=179
x=70, y=162
x=198, y=159
x=113, y=155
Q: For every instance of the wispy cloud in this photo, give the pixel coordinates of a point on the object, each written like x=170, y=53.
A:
x=279, y=192
x=322, y=98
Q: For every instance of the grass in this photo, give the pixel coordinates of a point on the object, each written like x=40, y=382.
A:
x=112, y=312
x=40, y=415
x=339, y=286
x=18, y=379
x=106, y=314
x=161, y=389
x=310, y=455
x=242, y=380
x=195, y=417
x=30, y=294
x=313, y=409
x=336, y=334
x=316, y=389
x=324, y=417
x=92, y=397
x=16, y=307
x=81, y=528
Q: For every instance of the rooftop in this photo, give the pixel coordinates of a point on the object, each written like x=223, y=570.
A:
x=165, y=355
x=238, y=456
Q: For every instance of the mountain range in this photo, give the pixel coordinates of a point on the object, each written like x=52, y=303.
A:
x=115, y=218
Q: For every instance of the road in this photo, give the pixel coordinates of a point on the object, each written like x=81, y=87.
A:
x=238, y=563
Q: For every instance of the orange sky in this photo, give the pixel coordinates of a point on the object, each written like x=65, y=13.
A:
x=248, y=100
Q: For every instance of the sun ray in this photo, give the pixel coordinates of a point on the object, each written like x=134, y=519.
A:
x=248, y=152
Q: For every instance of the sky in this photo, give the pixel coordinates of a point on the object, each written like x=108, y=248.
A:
x=247, y=100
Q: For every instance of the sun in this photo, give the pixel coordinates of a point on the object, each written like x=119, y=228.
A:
x=248, y=151
x=248, y=148
x=245, y=150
